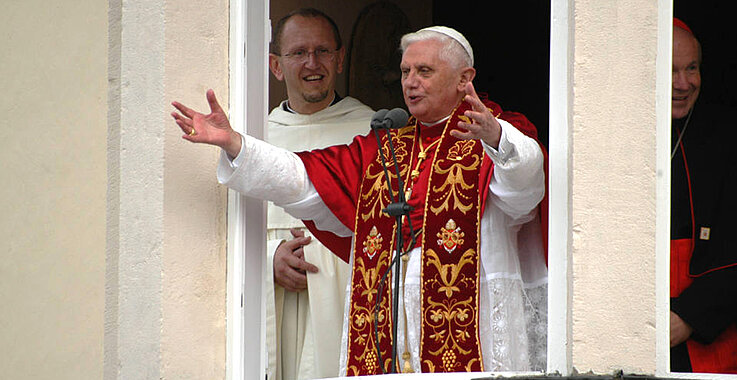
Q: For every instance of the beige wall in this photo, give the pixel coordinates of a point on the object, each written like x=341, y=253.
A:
x=166, y=273
x=613, y=186
x=194, y=270
x=53, y=78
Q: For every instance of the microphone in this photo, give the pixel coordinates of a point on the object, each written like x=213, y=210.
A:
x=378, y=119
x=399, y=209
x=394, y=119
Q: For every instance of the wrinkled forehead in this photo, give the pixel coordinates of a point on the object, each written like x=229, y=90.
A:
x=685, y=45
x=424, y=53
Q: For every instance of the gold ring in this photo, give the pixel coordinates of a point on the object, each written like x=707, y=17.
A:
x=192, y=132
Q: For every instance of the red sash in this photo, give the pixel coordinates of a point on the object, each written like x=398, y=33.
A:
x=450, y=261
x=721, y=355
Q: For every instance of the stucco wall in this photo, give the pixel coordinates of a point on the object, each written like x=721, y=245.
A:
x=194, y=270
x=613, y=192
x=53, y=172
x=166, y=274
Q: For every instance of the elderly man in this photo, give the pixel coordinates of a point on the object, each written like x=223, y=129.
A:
x=703, y=286
x=473, y=294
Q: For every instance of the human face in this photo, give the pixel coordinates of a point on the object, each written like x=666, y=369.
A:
x=686, y=72
x=432, y=88
x=310, y=80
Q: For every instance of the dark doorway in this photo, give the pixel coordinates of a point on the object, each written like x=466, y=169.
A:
x=711, y=22
x=511, y=41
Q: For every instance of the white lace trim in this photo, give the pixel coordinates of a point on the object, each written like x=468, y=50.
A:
x=512, y=323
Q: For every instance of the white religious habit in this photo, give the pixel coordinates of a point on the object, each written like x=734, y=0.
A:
x=302, y=331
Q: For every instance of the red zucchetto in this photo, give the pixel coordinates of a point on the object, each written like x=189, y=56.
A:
x=680, y=24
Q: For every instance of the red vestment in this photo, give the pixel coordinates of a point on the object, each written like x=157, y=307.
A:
x=341, y=176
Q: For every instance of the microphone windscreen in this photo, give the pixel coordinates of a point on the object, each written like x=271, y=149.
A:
x=380, y=114
x=377, y=121
x=396, y=118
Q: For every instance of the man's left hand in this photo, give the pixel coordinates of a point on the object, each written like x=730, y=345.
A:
x=484, y=125
x=679, y=330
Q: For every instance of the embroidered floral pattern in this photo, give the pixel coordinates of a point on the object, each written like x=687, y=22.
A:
x=376, y=195
x=450, y=340
x=453, y=192
x=369, y=327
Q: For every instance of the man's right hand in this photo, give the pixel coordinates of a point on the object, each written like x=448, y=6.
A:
x=290, y=265
x=213, y=128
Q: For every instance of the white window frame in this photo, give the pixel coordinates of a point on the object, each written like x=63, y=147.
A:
x=250, y=32
x=559, y=200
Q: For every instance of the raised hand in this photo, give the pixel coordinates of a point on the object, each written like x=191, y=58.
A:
x=290, y=265
x=213, y=128
x=484, y=125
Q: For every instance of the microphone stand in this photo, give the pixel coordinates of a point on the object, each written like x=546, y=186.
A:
x=397, y=209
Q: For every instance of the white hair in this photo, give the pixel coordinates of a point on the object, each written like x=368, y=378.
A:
x=452, y=51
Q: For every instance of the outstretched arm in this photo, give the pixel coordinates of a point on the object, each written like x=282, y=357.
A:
x=213, y=128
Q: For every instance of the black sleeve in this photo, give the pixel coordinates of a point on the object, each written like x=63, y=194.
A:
x=709, y=305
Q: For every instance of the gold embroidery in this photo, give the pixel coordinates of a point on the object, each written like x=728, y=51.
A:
x=450, y=341
x=455, y=186
x=371, y=361
x=369, y=276
x=377, y=199
x=449, y=359
x=450, y=236
x=470, y=364
x=468, y=120
x=430, y=365
x=449, y=314
x=400, y=146
x=363, y=316
x=377, y=196
x=449, y=273
x=372, y=243
x=461, y=149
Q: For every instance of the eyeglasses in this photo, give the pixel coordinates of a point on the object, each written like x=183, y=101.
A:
x=301, y=55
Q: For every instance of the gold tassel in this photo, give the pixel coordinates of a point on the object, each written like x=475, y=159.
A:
x=407, y=368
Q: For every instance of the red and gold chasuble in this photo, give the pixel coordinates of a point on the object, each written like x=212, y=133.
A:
x=450, y=255
x=448, y=196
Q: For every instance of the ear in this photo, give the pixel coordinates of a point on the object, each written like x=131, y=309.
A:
x=275, y=66
x=467, y=76
x=340, y=57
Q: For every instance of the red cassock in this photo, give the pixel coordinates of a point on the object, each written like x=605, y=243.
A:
x=703, y=278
